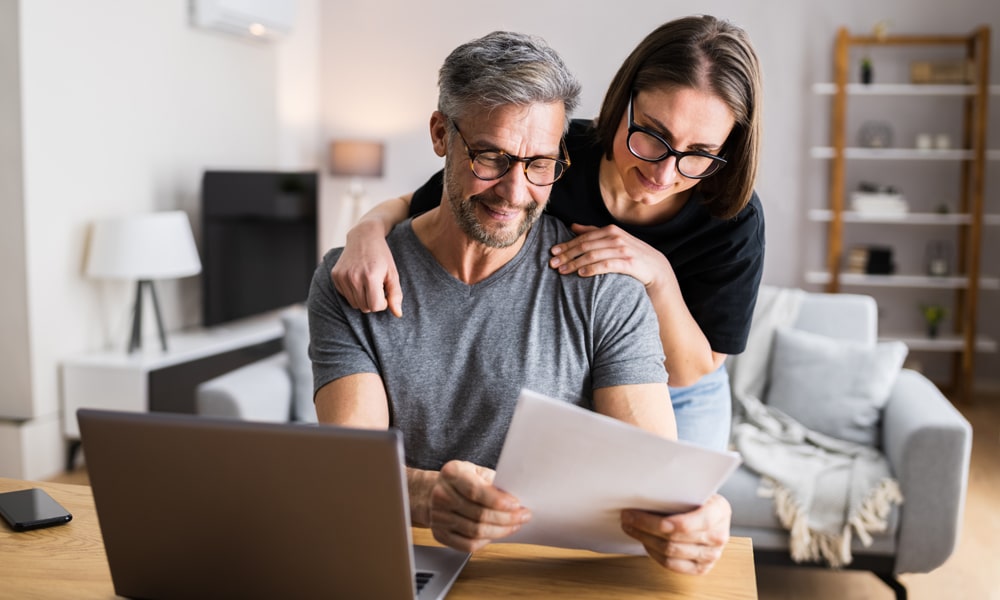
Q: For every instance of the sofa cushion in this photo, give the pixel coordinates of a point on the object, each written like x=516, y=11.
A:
x=835, y=387
x=296, y=341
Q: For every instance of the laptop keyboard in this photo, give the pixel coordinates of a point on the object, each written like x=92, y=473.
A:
x=422, y=578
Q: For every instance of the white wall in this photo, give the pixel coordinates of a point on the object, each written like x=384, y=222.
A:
x=298, y=91
x=124, y=104
x=379, y=81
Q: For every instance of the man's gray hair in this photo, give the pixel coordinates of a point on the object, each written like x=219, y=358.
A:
x=501, y=69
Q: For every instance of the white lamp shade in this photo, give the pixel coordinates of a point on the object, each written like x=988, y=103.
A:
x=356, y=158
x=152, y=246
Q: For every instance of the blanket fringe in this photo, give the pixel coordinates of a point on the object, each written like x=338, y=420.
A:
x=809, y=545
x=872, y=516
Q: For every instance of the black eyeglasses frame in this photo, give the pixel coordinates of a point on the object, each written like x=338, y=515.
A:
x=718, y=161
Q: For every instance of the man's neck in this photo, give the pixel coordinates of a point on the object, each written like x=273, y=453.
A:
x=466, y=260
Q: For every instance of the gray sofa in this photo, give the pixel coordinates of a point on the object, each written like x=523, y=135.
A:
x=926, y=440
x=277, y=388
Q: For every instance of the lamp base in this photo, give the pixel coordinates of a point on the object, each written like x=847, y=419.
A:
x=356, y=196
x=136, y=342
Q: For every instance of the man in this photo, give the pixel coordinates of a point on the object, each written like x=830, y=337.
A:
x=486, y=316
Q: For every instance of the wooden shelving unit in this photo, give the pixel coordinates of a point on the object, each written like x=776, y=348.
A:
x=972, y=155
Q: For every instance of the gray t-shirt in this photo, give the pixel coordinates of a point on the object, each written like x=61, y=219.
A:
x=454, y=364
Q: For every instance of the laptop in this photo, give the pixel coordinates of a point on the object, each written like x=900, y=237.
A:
x=199, y=507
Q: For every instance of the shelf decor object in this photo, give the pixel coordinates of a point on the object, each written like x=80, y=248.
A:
x=867, y=73
x=951, y=71
x=939, y=258
x=145, y=248
x=957, y=267
x=875, y=134
x=933, y=315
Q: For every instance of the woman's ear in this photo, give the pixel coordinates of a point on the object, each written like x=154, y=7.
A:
x=439, y=133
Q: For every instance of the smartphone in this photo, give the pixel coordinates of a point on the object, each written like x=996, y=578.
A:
x=31, y=509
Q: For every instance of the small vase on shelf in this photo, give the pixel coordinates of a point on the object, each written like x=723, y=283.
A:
x=866, y=70
x=933, y=315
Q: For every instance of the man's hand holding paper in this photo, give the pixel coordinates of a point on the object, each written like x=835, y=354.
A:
x=588, y=478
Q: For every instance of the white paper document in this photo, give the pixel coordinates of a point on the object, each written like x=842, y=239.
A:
x=576, y=470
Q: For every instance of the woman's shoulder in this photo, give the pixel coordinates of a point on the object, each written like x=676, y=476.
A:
x=581, y=137
x=754, y=209
x=751, y=217
x=695, y=234
x=576, y=198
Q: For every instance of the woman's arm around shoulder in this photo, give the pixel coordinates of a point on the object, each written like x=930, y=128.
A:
x=365, y=275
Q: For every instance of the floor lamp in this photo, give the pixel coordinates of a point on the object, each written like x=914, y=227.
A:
x=356, y=159
x=144, y=248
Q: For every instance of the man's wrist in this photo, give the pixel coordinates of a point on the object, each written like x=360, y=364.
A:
x=420, y=483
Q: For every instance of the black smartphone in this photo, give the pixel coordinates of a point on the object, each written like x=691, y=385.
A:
x=31, y=509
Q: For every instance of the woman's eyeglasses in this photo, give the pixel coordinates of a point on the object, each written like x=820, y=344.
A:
x=649, y=146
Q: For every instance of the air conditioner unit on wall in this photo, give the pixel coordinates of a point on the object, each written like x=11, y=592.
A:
x=260, y=19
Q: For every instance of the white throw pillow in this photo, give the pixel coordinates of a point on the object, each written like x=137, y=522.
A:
x=835, y=387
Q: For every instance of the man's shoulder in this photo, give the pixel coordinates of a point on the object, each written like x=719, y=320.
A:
x=331, y=257
x=551, y=230
x=401, y=233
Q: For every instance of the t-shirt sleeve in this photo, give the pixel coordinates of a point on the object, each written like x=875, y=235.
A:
x=336, y=348
x=722, y=293
x=428, y=195
x=627, y=347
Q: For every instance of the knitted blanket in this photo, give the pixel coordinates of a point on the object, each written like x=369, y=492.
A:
x=825, y=490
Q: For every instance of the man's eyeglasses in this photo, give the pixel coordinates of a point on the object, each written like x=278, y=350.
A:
x=489, y=165
x=651, y=147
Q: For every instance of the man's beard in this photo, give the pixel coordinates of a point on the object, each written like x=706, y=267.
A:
x=465, y=213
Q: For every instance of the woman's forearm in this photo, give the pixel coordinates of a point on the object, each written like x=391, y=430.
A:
x=365, y=274
x=689, y=356
x=383, y=217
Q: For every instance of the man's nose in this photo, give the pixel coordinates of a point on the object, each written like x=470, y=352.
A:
x=514, y=186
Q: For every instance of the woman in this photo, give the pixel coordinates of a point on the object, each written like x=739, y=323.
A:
x=661, y=189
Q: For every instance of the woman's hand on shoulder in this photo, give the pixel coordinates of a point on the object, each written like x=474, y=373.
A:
x=609, y=249
x=365, y=274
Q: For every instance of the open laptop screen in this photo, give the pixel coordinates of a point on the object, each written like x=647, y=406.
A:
x=200, y=507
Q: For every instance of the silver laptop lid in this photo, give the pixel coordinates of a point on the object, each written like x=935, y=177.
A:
x=195, y=507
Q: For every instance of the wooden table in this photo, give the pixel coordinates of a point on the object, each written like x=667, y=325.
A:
x=68, y=561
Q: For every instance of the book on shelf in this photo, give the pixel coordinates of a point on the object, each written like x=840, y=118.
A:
x=879, y=203
x=870, y=260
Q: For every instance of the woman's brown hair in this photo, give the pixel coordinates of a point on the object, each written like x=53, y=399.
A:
x=704, y=53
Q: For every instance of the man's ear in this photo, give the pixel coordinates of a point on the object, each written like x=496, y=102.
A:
x=439, y=133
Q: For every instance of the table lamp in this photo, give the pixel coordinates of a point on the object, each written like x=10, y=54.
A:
x=356, y=159
x=143, y=247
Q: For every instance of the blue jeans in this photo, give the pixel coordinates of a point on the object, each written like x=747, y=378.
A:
x=704, y=411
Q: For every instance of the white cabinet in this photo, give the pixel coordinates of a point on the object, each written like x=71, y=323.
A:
x=152, y=379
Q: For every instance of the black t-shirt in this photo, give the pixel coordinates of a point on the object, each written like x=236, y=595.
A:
x=718, y=263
